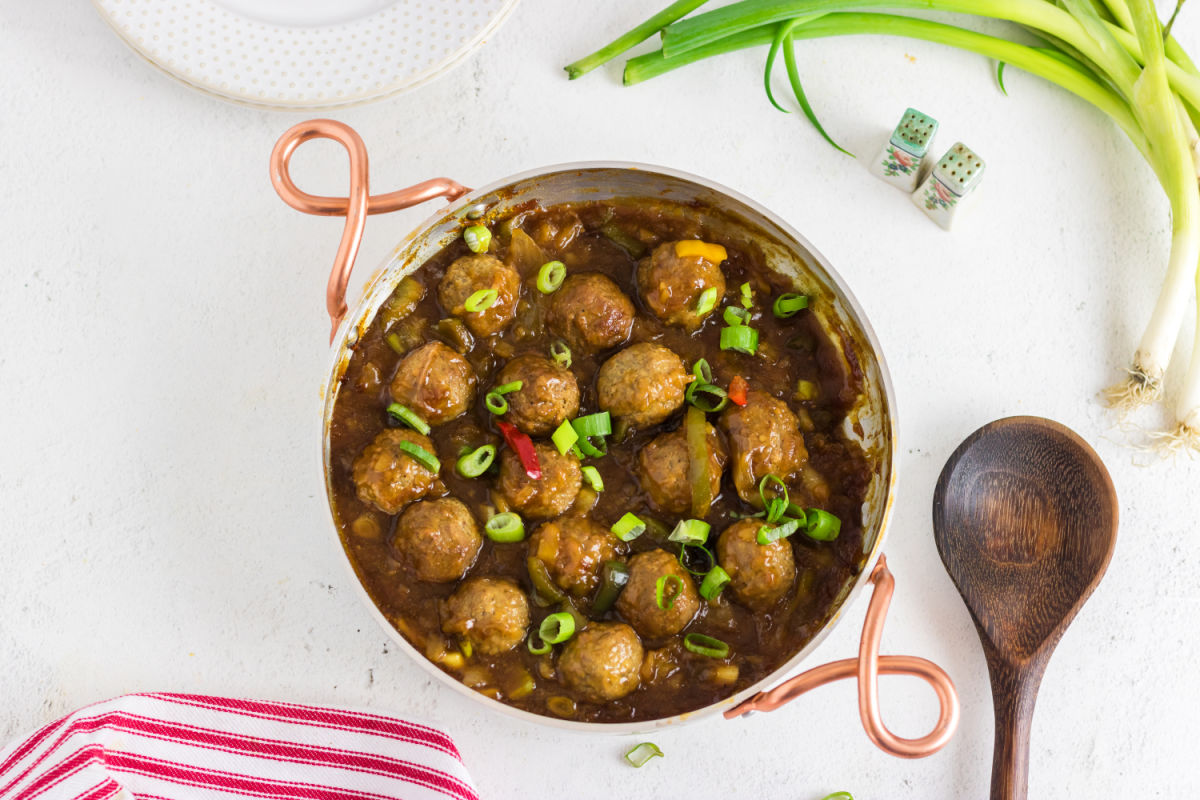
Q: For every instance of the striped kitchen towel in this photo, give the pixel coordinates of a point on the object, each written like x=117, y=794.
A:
x=175, y=746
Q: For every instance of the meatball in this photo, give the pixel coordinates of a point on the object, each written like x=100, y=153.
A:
x=671, y=285
x=759, y=574
x=643, y=384
x=470, y=274
x=638, y=603
x=540, y=499
x=437, y=539
x=764, y=438
x=603, y=662
x=663, y=469
x=491, y=613
x=435, y=382
x=573, y=549
x=591, y=312
x=389, y=478
x=548, y=394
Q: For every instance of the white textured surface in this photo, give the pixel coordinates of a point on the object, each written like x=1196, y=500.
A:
x=162, y=338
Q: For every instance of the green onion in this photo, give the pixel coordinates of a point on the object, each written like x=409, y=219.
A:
x=689, y=553
x=506, y=527
x=628, y=527
x=707, y=300
x=661, y=597
x=821, y=525
x=702, y=371
x=713, y=582
x=476, y=462
x=592, y=446
x=630, y=39
x=787, y=305
x=838, y=796
x=564, y=437
x=695, y=394
x=735, y=316
x=776, y=508
x=551, y=276
x=768, y=534
x=593, y=424
x=561, y=353
x=764, y=486
x=408, y=417
x=538, y=650
x=478, y=239
x=703, y=645
x=747, y=296
x=592, y=476
x=481, y=300
x=613, y=577
x=740, y=338
x=422, y=456
x=642, y=753
x=690, y=531
x=557, y=628
x=494, y=400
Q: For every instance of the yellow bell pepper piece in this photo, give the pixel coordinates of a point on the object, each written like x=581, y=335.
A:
x=694, y=247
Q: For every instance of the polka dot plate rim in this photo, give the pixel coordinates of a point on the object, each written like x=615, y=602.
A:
x=379, y=49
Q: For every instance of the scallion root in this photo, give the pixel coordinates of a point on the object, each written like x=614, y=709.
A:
x=1184, y=439
x=1137, y=390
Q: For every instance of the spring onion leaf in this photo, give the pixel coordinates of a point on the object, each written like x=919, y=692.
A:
x=1000, y=65
x=716, y=580
x=537, y=650
x=702, y=371
x=591, y=476
x=564, y=437
x=561, y=353
x=628, y=527
x=667, y=601
x=703, y=645
x=599, y=424
x=476, y=462
x=557, y=628
x=690, y=531
x=422, y=456
x=821, y=525
x=768, y=533
x=632, y=38
x=735, y=316
x=747, y=296
x=640, y=754
x=698, y=394
x=408, y=417
x=506, y=527
x=742, y=338
x=481, y=300
x=707, y=300
x=696, y=559
x=788, y=305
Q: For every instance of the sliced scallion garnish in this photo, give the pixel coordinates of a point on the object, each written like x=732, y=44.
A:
x=773, y=533
x=494, y=400
x=551, y=276
x=741, y=338
x=790, y=304
x=537, y=650
x=666, y=601
x=481, y=300
x=707, y=300
x=821, y=525
x=702, y=371
x=422, y=456
x=506, y=527
x=408, y=417
x=735, y=316
x=628, y=527
x=713, y=582
x=690, y=531
x=640, y=754
x=476, y=462
x=747, y=292
x=591, y=476
x=696, y=559
x=703, y=645
x=593, y=424
x=561, y=353
x=557, y=628
x=707, y=397
x=478, y=238
x=564, y=437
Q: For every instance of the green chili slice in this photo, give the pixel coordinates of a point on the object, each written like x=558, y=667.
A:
x=408, y=417
x=504, y=528
x=557, y=628
x=478, y=238
x=481, y=300
x=476, y=462
x=613, y=576
x=661, y=597
x=551, y=276
x=422, y=456
x=703, y=645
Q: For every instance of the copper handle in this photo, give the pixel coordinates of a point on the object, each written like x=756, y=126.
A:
x=354, y=208
x=867, y=668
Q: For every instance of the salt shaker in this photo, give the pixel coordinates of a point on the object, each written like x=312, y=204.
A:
x=952, y=179
x=903, y=156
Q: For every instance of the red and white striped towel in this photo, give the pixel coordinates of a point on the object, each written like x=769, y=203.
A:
x=159, y=746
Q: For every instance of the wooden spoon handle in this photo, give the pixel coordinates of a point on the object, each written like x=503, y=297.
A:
x=1014, y=692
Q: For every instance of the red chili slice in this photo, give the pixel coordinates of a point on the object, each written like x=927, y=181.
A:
x=737, y=390
x=522, y=445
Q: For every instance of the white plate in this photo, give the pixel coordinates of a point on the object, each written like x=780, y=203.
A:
x=304, y=54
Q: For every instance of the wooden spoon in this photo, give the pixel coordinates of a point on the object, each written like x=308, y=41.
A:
x=1025, y=518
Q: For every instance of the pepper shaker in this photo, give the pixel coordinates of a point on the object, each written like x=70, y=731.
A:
x=903, y=157
x=952, y=179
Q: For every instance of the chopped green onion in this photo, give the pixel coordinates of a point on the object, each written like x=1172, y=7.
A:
x=661, y=597
x=539, y=650
x=561, y=353
x=592, y=476
x=787, y=305
x=593, y=446
x=696, y=393
x=564, y=437
x=557, y=628
x=740, y=338
x=702, y=371
x=776, y=508
x=509, y=388
x=394, y=342
x=422, y=456
x=628, y=527
x=764, y=493
x=495, y=403
x=690, y=553
x=707, y=300
x=551, y=276
x=481, y=300
x=614, y=576
x=478, y=238
x=476, y=462
x=713, y=582
x=703, y=645
x=822, y=526
x=408, y=417
x=747, y=296
x=806, y=390
x=506, y=527
x=768, y=534
x=593, y=424
x=841, y=795
x=690, y=531
x=642, y=753
x=735, y=316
